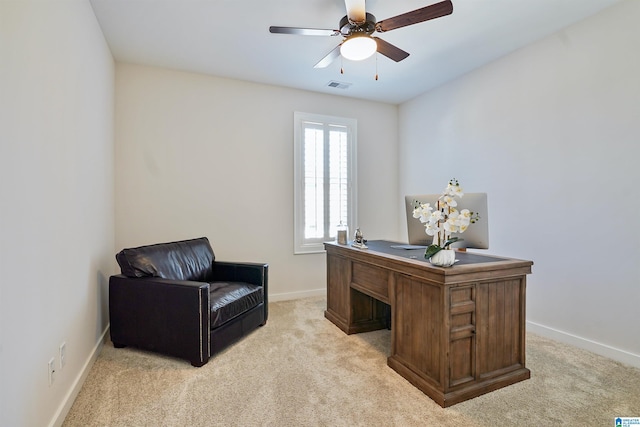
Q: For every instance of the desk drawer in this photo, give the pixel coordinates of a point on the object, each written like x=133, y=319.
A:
x=372, y=280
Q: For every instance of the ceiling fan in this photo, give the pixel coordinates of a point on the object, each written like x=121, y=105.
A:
x=357, y=27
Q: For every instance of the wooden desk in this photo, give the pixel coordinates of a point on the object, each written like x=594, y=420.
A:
x=456, y=332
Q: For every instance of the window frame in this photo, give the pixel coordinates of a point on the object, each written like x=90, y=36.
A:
x=304, y=245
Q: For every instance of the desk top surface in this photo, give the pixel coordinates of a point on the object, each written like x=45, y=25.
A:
x=468, y=259
x=387, y=247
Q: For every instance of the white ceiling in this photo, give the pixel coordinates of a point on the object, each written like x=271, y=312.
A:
x=230, y=38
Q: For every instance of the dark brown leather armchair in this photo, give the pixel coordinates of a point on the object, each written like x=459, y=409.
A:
x=176, y=299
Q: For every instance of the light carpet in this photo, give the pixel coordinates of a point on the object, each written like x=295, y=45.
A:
x=301, y=370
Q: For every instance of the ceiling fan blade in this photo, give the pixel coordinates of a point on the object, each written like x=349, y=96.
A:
x=355, y=10
x=390, y=51
x=419, y=15
x=329, y=58
x=303, y=31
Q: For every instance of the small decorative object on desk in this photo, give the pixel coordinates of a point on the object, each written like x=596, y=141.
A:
x=341, y=235
x=358, y=240
x=441, y=221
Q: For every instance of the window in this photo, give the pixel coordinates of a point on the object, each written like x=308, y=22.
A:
x=325, y=179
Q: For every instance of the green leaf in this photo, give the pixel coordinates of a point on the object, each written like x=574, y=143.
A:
x=431, y=251
x=450, y=241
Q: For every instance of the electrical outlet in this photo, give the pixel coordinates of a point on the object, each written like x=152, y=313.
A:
x=52, y=370
x=62, y=353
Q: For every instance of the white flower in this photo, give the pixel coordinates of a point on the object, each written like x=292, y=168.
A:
x=453, y=189
x=464, y=218
x=431, y=229
x=450, y=201
x=457, y=191
x=436, y=216
x=422, y=211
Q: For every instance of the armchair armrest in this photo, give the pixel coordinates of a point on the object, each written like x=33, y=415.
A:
x=248, y=272
x=168, y=316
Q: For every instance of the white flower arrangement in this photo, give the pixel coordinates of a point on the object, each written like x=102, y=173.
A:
x=443, y=219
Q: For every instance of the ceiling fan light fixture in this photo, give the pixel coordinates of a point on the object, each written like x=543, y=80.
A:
x=358, y=47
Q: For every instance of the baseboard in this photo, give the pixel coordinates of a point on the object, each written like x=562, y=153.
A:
x=67, y=403
x=617, y=354
x=297, y=295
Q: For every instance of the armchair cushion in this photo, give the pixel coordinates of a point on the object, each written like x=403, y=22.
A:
x=183, y=260
x=230, y=299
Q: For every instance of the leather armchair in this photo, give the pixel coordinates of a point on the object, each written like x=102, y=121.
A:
x=176, y=299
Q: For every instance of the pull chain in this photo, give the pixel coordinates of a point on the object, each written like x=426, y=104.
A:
x=376, y=66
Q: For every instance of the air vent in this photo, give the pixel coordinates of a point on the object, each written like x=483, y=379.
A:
x=338, y=85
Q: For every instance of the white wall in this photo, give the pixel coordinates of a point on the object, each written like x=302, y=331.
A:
x=56, y=198
x=551, y=132
x=205, y=156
